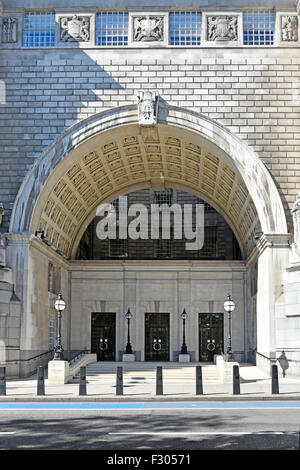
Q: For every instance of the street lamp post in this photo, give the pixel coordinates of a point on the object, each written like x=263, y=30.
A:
x=128, y=316
x=229, y=306
x=59, y=305
x=184, y=346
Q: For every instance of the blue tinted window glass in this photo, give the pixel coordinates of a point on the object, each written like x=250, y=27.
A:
x=39, y=30
x=112, y=29
x=185, y=28
x=259, y=27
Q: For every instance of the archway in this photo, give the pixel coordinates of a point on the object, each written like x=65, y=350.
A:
x=110, y=154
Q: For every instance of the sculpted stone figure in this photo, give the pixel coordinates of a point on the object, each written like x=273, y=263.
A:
x=9, y=30
x=75, y=28
x=149, y=28
x=289, y=28
x=222, y=28
x=148, y=108
x=2, y=250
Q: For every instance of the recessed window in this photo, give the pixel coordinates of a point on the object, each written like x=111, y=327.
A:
x=162, y=248
x=259, y=27
x=118, y=248
x=163, y=197
x=39, y=30
x=210, y=247
x=112, y=28
x=185, y=28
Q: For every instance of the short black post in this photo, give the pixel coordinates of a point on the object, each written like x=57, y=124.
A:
x=199, y=383
x=82, y=382
x=275, y=384
x=159, y=380
x=119, y=389
x=2, y=381
x=40, y=381
x=236, y=380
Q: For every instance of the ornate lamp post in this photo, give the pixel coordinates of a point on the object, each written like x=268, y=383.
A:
x=184, y=316
x=128, y=316
x=59, y=305
x=229, y=306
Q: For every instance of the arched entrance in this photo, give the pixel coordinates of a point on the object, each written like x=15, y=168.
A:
x=110, y=154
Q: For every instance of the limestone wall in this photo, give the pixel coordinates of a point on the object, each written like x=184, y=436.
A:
x=253, y=91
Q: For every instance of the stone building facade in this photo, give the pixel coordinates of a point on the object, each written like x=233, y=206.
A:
x=96, y=103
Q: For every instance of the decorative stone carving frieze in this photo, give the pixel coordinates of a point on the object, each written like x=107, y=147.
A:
x=222, y=28
x=148, y=28
x=9, y=30
x=148, y=108
x=75, y=28
x=289, y=28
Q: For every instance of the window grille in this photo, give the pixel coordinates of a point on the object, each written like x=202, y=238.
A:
x=120, y=204
x=162, y=248
x=163, y=197
x=112, y=28
x=39, y=30
x=210, y=247
x=185, y=28
x=118, y=248
x=259, y=27
x=207, y=207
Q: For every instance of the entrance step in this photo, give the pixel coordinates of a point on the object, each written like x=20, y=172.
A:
x=105, y=372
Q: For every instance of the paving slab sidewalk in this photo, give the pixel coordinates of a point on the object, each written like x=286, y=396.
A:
x=255, y=385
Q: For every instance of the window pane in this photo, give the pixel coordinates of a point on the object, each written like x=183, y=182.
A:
x=39, y=30
x=112, y=29
x=259, y=27
x=185, y=28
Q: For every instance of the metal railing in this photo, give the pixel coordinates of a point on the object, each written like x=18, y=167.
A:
x=78, y=355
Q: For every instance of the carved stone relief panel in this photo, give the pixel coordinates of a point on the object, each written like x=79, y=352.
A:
x=148, y=28
x=75, y=28
x=289, y=28
x=222, y=28
x=9, y=30
x=148, y=108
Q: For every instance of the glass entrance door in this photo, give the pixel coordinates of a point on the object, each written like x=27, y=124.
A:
x=210, y=336
x=157, y=337
x=103, y=341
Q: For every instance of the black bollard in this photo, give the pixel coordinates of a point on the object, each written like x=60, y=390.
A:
x=199, y=383
x=275, y=384
x=119, y=389
x=40, y=381
x=159, y=380
x=82, y=381
x=2, y=381
x=236, y=380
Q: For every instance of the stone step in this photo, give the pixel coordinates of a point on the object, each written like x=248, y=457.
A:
x=99, y=372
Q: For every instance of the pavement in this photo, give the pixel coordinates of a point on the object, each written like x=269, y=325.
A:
x=255, y=385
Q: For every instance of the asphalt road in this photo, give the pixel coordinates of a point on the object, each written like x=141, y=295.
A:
x=210, y=428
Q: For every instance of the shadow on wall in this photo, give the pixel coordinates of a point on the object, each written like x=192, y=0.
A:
x=47, y=91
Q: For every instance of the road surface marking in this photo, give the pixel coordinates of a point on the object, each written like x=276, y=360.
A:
x=203, y=433
x=146, y=406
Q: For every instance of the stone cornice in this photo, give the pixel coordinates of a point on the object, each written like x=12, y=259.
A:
x=273, y=240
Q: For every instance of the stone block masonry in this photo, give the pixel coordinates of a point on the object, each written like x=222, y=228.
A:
x=253, y=92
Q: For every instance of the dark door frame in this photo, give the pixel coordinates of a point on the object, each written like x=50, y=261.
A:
x=154, y=348
x=215, y=332
x=104, y=350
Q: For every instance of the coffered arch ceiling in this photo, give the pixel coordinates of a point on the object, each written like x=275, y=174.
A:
x=80, y=173
x=131, y=157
